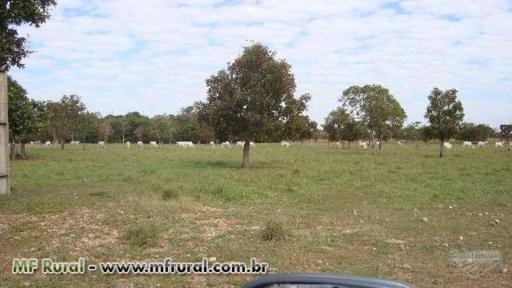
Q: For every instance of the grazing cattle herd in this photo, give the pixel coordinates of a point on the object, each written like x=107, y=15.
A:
x=362, y=144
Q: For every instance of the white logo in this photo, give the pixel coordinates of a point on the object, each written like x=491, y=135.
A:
x=476, y=263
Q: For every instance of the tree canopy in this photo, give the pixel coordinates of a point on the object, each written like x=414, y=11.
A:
x=13, y=13
x=340, y=125
x=444, y=114
x=26, y=116
x=66, y=116
x=251, y=98
x=376, y=108
x=472, y=132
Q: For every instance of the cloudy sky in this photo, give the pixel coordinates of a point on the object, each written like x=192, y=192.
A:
x=153, y=56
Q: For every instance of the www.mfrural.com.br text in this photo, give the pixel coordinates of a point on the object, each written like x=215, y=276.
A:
x=167, y=266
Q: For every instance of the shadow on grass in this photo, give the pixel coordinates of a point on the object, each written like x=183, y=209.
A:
x=211, y=164
x=230, y=165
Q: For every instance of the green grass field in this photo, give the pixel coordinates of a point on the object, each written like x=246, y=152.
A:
x=333, y=210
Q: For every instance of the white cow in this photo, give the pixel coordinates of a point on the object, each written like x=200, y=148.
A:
x=75, y=143
x=285, y=144
x=481, y=144
x=498, y=144
x=185, y=144
x=153, y=144
x=447, y=145
x=399, y=143
x=127, y=143
x=140, y=144
x=363, y=144
x=377, y=143
x=239, y=144
x=212, y=144
x=101, y=145
x=47, y=143
x=467, y=144
x=226, y=144
x=252, y=144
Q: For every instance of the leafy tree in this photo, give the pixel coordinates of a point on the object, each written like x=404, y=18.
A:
x=506, y=131
x=136, y=120
x=105, y=130
x=120, y=127
x=376, y=108
x=141, y=133
x=186, y=125
x=13, y=48
x=473, y=133
x=444, y=114
x=26, y=117
x=341, y=126
x=299, y=127
x=252, y=98
x=162, y=128
x=412, y=132
x=66, y=117
x=87, y=129
x=307, y=129
x=335, y=123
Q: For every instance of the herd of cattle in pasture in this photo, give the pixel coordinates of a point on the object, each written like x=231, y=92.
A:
x=362, y=144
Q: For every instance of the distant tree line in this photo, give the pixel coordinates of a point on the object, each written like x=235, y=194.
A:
x=251, y=100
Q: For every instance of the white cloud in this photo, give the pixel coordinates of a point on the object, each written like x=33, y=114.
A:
x=154, y=56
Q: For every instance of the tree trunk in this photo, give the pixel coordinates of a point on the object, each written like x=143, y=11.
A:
x=13, y=150
x=245, y=161
x=22, y=150
x=62, y=142
x=54, y=138
x=441, y=149
x=380, y=144
x=123, y=138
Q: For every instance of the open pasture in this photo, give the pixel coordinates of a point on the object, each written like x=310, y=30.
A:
x=394, y=214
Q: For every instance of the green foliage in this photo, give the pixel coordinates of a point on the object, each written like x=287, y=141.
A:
x=473, y=133
x=66, y=116
x=340, y=125
x=26, y=117
x=506, y=131
x=252, y=98
x=13, y=48
x=376, y=108
x=444, y=114
x=411, y=132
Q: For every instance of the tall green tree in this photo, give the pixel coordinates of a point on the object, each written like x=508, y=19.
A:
x=473, y=133
x=13, y=13
x=162, y=128
x=376, y=108
x=26, y=117
x=66, y=117
x=342, y=126
x=251, y=98
x=298, y=126
x=105, y=130
x=120, y=128
x=445, y=114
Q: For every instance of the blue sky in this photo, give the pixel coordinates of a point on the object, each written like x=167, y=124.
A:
x=154, y=56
